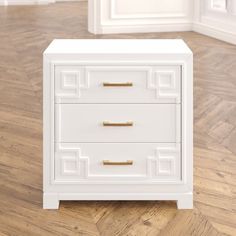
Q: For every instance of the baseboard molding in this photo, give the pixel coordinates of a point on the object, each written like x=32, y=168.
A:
x=215, y=33
x=144, y=28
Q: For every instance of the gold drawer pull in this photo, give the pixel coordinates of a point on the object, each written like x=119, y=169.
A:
x=128, y=123
x=107, y=84
x=112, y=163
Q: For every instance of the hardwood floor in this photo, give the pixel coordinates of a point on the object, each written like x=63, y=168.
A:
x=24, y=34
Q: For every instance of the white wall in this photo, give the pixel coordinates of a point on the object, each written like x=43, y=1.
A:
x=118, y=16
x=216, y=23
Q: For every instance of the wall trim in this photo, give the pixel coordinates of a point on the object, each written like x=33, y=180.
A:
x=215, y=33
x=143, y=28
x=142, y=16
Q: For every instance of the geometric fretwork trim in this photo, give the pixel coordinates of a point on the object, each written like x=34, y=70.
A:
x=165, y=160
x=70, y=162
x=70, y=84
x=165, y=83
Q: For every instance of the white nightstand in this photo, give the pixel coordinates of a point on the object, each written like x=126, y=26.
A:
x=118, y=121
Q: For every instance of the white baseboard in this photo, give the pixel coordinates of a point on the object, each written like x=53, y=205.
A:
x=226, y=36
x=145, y=28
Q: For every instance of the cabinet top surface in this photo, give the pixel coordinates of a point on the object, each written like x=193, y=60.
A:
x=118, y=46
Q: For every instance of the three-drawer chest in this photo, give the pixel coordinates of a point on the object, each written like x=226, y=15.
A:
x=117, y=121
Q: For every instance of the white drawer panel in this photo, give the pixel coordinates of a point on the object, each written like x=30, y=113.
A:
x=118, y=84
x=84, y=123
x=147, y=162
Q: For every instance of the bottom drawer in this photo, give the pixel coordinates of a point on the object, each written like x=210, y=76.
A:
x=94, y=162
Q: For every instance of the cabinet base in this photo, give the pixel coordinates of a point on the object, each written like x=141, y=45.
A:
x=52, y=200
x=185, y=201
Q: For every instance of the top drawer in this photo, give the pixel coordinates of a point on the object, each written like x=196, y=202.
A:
x=118, y=84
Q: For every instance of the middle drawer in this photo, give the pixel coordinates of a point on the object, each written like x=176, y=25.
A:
x=117, y=123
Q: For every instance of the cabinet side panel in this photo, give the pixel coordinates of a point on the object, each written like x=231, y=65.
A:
x=187, y=122
x=48, y=123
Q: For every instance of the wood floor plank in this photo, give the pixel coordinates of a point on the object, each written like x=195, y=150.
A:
x=155, y=218
x=226, y=229
x=213, y=200
x=210, y=174
x=227, y=217
x=190, y=223
x=119, y=220
x=213, y=187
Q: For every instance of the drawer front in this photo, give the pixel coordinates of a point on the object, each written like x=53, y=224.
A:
x=117, y=123
x=118, y=84
x=91, y=162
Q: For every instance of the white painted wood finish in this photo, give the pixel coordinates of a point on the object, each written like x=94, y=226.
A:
x=149, y=84
x=157, y=148
x=110, y=50
x=152, y=162
x=84, y=123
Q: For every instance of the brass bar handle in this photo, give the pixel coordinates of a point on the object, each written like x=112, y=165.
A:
x=112, y=163
x=125, y=124
x=127, y=84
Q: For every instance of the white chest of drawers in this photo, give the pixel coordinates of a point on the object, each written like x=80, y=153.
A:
x=117, y=121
